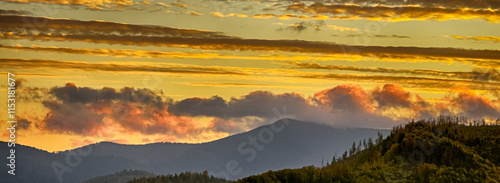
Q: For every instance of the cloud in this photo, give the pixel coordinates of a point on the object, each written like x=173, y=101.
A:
x=89, y=111
x=264, y=16
x=117, y=67
x=194, y=13
x=217, y=14
x=479, y=57
x=408, y=81
x=141, y=35
x=391, y=96
x=40, y=25
x=236, y=125
x=342, y=29
x=91, y=4
x=19, y=83
x=248, y=85
x=335, y=106
x=257, y=104
x=71, y=118
x=276, y=57
x=23, y=124
x=214, y=106
x=107, y=111
x=431, y=3
x=475, y=75
x=391, y=36
x=477, y=79
x=395, y=13
x=478, y=38
x=302, y=26
x=14, y=12
x=346, y=98
x=473, y=105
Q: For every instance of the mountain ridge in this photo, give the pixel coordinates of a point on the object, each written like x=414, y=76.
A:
x=297, y=144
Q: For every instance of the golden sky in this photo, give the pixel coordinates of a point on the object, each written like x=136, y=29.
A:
x=138, y=72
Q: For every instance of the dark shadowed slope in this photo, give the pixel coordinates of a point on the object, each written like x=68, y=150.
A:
x=281, y=145
x=121, y=177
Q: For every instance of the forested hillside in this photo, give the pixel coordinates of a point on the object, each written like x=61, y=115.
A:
x=120, y=177
x=186, y=177
x=446, y=149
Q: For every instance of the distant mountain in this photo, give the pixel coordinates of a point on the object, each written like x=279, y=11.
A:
x=121, y=177
x=283, y=144
x=441, y=150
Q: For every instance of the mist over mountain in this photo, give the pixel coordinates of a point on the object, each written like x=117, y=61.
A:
x=286, y=143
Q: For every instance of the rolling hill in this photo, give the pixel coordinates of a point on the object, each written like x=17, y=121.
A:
x=283, y=144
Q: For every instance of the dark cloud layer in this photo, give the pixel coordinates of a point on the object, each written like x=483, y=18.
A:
x=403, y=12
x=494, y=4
x=258, y=103
x=126, y=34
x=13, y=12
x=39, y=63
x=276, y=45
x=477, y=74
x=409, y=81
x=302, y=26
x=48, y=25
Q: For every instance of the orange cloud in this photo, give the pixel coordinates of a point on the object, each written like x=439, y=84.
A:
x=88, y=111
x=348, y=98
x=478, y=38
x=473, y=105
x=217, y=14
x=391, y=95
x=104, y=32
x=91, y=4
x=395, y=13
x=342, y=29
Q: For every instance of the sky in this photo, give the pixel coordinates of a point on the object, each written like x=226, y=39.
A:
x=138, y=72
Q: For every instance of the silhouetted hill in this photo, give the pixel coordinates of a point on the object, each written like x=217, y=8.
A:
x=281, y=145
x=186, y=177
x=442, y=150
x=121, y=177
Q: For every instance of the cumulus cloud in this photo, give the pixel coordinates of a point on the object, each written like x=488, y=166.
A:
x=258, y=104
x=85, y=111
x=391, y=95
x=71, y=117
x=345, y=105
x=347, y=98
x=90, y=111
x=473, y=105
